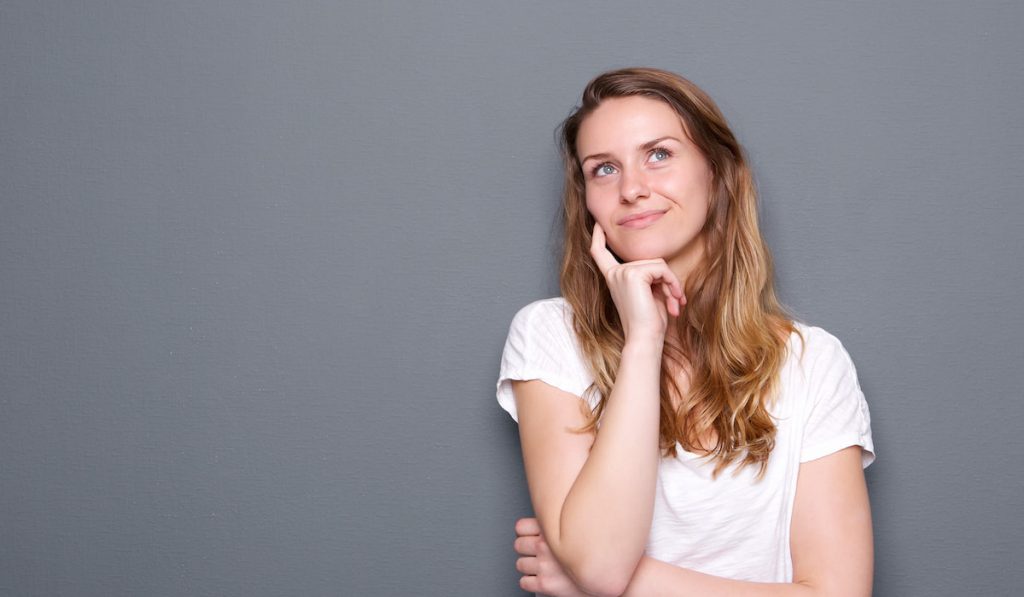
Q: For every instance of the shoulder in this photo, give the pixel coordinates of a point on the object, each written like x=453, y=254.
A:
x=550, y=307
x=550, y=316
x=835, y=411
x=542, y=345
x=814, y=349
x=544, y=330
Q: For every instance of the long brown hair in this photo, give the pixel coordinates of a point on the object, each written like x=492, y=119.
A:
x=733, y=332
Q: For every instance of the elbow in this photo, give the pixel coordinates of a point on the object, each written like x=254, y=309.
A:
x=604, y=587
x=599, y=563
x=603, y=579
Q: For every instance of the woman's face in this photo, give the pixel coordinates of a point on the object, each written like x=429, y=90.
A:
x=647, y=184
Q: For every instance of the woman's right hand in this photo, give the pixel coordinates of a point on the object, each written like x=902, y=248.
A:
x=542, y=573
x=645, y=292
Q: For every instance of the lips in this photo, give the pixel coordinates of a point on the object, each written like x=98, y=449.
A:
x=642, y=219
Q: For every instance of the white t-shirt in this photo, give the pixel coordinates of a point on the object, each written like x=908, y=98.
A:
x=734, y=526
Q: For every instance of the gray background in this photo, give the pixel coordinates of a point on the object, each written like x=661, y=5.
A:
x=258, y=260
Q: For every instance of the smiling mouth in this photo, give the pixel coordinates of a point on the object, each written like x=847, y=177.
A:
x=643, y=219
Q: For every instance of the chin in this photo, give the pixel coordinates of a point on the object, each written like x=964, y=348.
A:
x=637, y=253
x=639, y=256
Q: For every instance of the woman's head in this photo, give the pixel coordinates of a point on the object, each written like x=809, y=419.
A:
x=622, y=112
x=649, y=144
x=645, y=182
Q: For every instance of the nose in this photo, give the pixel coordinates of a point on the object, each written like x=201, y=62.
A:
x=633, y=185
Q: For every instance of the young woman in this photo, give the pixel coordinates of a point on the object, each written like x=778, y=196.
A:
x=681, y=434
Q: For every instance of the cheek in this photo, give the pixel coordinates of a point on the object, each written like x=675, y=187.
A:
x=595, y=207
x=601, y=197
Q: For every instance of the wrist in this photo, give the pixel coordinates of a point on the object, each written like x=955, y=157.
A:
x=644, y=346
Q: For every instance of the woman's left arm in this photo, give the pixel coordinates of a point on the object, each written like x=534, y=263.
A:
x=830, y=541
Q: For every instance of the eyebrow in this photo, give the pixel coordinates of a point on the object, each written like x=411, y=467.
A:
x=643, y=147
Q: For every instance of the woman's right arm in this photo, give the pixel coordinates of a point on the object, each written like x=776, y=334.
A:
x=594, y=494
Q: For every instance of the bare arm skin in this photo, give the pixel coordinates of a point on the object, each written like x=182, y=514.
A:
x=831, y=545
x=594, y=494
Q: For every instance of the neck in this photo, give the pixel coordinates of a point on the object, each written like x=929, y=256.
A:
x=687, y=260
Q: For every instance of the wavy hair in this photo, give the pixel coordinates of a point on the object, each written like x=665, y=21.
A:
x=733, y=332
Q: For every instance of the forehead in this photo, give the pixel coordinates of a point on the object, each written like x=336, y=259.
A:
x=625, y=122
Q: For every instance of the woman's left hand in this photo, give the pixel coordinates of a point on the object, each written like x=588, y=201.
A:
x=541, y=571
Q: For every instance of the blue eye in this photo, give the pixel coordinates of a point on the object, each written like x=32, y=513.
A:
x=660, y=154
x=605, y=169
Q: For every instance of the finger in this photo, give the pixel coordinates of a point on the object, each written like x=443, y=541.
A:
x=527, y=526
x=542, y=547
x=667, y=275
x=526, y=546
x=673, y=282
x=654, y=271
x=666, y=289
x=671, y=304
x=528, y=565
x=530, y=584
x=599, y=251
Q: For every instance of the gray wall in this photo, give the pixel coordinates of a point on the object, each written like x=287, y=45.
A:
x=257, y=262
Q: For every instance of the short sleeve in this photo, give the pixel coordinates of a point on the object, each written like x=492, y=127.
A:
x=837, y=415
x=541, y=345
